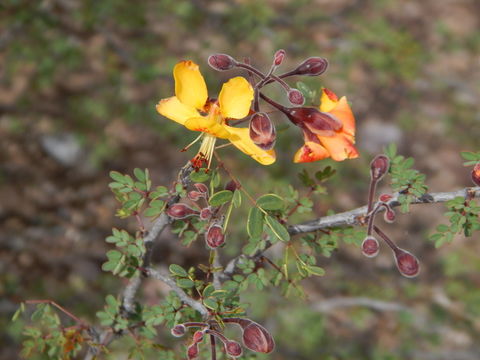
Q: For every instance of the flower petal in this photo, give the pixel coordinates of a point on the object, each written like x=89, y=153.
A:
x=190, y=87
x=241, y=139
x=343, y=112
x=207, y=125
x=173, y=109
x=340, y=147
x=328, y=100
x=235, y=98
x=309, y=152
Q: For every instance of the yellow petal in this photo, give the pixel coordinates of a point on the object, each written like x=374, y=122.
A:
x=328, y=100
x=190, y=87
x=207, y=125
x=235, y=98
x=309, y=152
x=340, y=147
x=173, y=109
x=241, y=139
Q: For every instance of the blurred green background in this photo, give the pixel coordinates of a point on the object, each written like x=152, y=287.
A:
x=79, y=80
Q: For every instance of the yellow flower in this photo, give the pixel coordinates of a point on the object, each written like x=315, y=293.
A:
x=191, y=108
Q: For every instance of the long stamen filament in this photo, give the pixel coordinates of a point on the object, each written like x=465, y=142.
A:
x=193, y=142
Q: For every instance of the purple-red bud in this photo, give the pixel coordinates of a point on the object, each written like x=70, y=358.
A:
x=192, y=351
x=407, y=263
x=180, y=211
x=201, y=188
x=214, y=236
x=311, y=67
x=232, y=185
x=233, y=348
x=257, y=338
x=379, y=167
x=370, y=247
x=476, y=174
x=194, y=195
x=385, y=197
x=205, y=213
x=320, y=123
x=296, y=97
x=178, y=330
x=278, y=57
x=198, y=336
x=389, y=216
x=262, y=131
x=221, y=62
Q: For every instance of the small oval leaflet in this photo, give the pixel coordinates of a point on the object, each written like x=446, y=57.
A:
x=220, y=198
x=270, y=202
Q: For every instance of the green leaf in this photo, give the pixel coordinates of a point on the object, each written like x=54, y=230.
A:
x=178, y=270
x=255, y=222
x=199, y=176
x=210, y=303
x=237, y=198
x=467, y=155
x=139, y=174
x=220, y=198
x=278, y=229
x=185, y=283
x=115, y=175
x=315, y=270
x=270, y=202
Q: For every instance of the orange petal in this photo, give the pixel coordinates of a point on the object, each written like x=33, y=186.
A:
x=343, y=112
x=309, y=152
x=340, y=147
x=190, y=87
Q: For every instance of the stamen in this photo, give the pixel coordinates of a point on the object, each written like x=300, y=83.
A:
x=193, y=142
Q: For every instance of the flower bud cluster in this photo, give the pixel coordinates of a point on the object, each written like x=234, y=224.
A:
x=407, y=264
x=198, y=196
x=262, y=130
x=254, y=336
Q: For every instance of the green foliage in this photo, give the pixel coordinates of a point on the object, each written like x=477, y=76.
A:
x=463, y=216
x=124, y=261
x=408, y=182
x=471, y=158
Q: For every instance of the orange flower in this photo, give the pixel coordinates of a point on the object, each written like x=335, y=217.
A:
x=339, y=144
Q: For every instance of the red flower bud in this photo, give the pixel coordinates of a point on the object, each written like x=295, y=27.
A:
x=320, y=123
x=192, y=351
x=214, y=236
x=232, y=185
x=379, y=167
x=201, y=188
x=205, y=213
x=194, y=195
x=370, y=246
x=178, y=330
x=296, y=97
x=180, y=211
x=407, y=263
x=257, y=338
x=476, y=174
x=278, y=57
x=262, y=131
x=233, y=348
x=311, y=67
x=221, y=62
x=385, y=197
x=389, y=216
x=198, y=336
